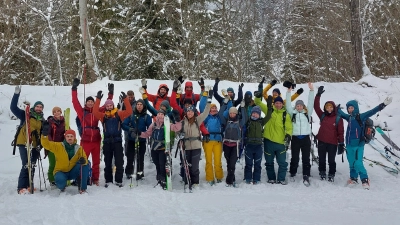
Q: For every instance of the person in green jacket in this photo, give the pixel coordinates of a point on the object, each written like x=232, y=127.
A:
x=277, y=135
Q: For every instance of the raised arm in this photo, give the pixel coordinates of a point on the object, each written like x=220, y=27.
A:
x=49, y=145
x=218, y=97
x=99, y=115
x=270, y=111
x=257, y=101
x=342, y=114
x=150, y=108
x=317, y=102
x=19, y=113
x=240, y=95
x=203, y=101
x=297, y=94
x=128, y=111
x=266, y=89
x=288, y=102
x=221, y=113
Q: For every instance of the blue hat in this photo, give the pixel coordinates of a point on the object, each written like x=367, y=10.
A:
x=278, y=99
x=230, y=90
x=248, y=93
x=256, y=109
x=277, y=91
x=38, y=103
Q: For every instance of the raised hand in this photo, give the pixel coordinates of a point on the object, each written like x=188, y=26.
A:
x=320, y=90
x=300, y=91
x=387, y=101
x=122, y=95
x=180, y=78
x=311, y=86
x=217, y=80
x=142, y=90
x=17, y=89
x=111, y=88
x=99, y=94
x=75, y=84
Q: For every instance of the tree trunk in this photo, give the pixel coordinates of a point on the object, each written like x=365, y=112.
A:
x=93, y=71
x=356, y=39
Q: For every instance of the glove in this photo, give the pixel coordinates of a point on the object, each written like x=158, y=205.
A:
x=111, y=88
x=269, y=101
x=387, y=101
x=175, y=85
x=320, y=90
x=179, y=91
x=273, y=82
x=132, y=132
x=142, y=90
x=46, y=152
x=201, y=83
x=242, y=104
x=288, y=138
x=260, y=85
x=119, y=105
x=340, y=148
x=99, y=94
x=301, y=90
x=176, y=115
x=217, y=80
x=287, y=84
x=226, y=99
x=45, y=128
x=206, y=138
x=262, y=80
x=241, y=85
x=75, y=84
x=122, y=95
x=144, y=83
x=180, y=78
x=210, y=93
x=258, y=94
x=81, y=160
x=17, y=89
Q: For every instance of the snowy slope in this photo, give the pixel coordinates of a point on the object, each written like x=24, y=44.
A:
x=321, y=203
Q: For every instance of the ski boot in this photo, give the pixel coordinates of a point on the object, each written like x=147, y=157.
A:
x=365, y=183
x=211, y=183
x=283, y=182
x=107, y=184
x=271, y=181
x=322, y=175
x=119, y=185
x=306, y=180
x=163, y=185
x=352, y=182
x=291, y=178
x=331, y=177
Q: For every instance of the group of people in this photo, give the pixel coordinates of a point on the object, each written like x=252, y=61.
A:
x=237, y=128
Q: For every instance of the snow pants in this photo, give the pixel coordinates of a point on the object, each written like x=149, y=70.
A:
x=302, y=145
x=93, y=148
x=272, y=150
x=130, y=157
x=113, y=150
x=213, y=154
x=231, y=156
x=159, y=159
x=355, y=156
x=193, y=159
x=23, y=179
x=78, y=172
x=52, y=164
x=253, y=156
x=330, y=149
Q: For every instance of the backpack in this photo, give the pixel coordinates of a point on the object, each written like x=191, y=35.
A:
x=79, y=124
x=184, y=97
x=230, y=128
x=254, y=131
x=294, y=117
x=156, y=100
x=367, y=129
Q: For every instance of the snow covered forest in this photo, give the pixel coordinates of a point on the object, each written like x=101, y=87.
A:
x=46, y=42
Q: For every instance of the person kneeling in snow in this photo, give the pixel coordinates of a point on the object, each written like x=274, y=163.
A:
x=71, y=160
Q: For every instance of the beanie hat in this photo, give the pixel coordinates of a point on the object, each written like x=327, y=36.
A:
x=38, y=103
x=187, y=101
x=278, y=99
x=56, y=108
x=300, y=102
x=108, y=102
x=277, y=91
x=70, y=132
x=191, y=108
x=89, y=98
x=256, y=109
x=212, y=105
x=230, y=90
x=248, y=94
x=233, y=110
x=165, y=103
x=328, y=104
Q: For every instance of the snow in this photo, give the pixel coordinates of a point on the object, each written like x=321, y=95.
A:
x=321, y=203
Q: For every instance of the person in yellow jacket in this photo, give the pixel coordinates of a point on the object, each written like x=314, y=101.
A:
x=277, y=136
x=71, y=160
x=276, y=92
x=35, y=123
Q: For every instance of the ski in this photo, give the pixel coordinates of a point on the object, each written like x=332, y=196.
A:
x=387, y=139
x=185, y=163
x=388, y=169
x=135, y=172
x=168, y=163
x=314, y=158
x=29, y=147
x=385, y=155
x=66, y=118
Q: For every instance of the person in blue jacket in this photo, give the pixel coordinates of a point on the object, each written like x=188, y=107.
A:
x=135, y=124
x=355, y=141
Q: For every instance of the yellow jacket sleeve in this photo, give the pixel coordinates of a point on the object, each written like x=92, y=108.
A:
x=265, y=91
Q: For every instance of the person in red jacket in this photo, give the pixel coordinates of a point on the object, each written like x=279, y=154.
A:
x=162, y=94
x=90, y=138
x=330, y=136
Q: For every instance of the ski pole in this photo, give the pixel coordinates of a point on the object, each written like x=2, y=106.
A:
x=41, y=166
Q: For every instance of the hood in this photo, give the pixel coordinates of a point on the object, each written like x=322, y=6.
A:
x=188, y=84
x=55, y=120
x=162, y=86
x=334, y=107
x=353, y=103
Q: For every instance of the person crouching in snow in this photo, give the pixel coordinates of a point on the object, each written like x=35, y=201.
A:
x=254, y=141
x=355, y=139
x=156, y=133
x=232, y=136
x=71, y=160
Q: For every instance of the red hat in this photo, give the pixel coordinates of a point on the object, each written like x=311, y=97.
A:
x=70, y=132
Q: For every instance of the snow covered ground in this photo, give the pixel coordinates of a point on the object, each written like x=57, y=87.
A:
x=321, y=203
